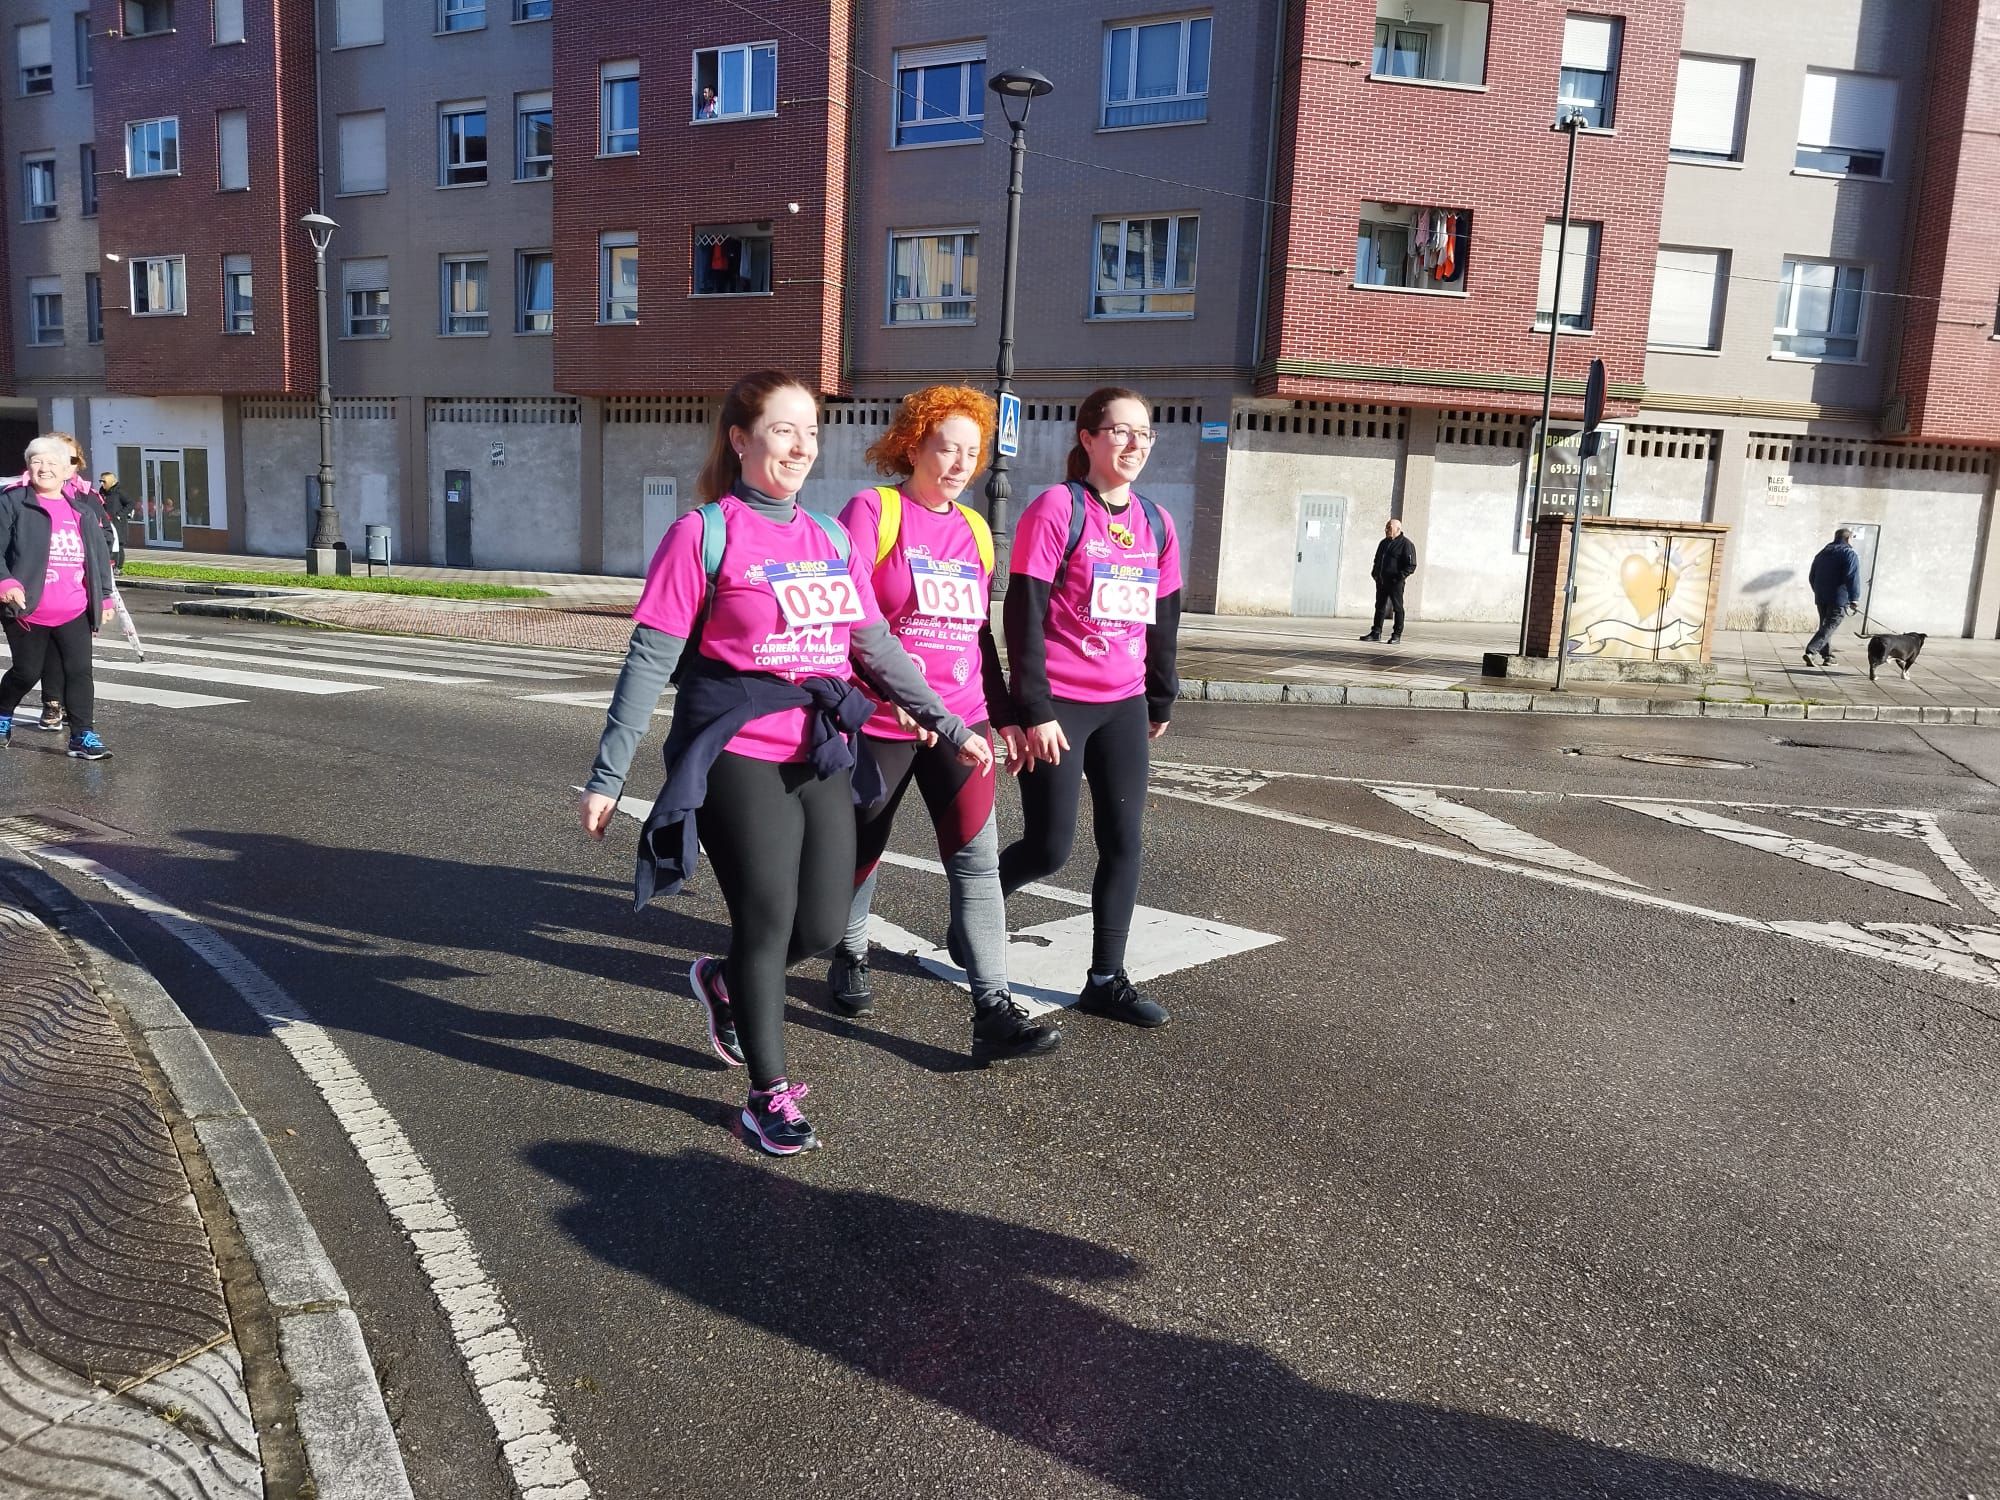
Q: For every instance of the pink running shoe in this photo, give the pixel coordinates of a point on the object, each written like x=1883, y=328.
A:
x=772, y=1115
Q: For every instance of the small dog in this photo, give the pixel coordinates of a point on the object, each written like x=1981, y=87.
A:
x=1903, y=650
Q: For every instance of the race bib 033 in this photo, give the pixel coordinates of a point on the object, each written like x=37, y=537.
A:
x=1124, y=592
x=947, y=589
x=814, y=593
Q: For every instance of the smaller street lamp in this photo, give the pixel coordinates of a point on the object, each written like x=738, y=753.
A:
x=327, y=552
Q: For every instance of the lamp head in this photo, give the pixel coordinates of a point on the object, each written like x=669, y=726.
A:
x=1019, y=85
x=321, y=228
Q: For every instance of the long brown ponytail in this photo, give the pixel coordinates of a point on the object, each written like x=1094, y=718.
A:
x=1088, y=415
x=722, y=470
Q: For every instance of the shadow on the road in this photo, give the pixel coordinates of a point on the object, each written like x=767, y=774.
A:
x=960, y=1309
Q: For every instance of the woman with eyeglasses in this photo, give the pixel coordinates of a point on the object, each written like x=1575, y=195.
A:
x=1093, y=620
x=752, y=598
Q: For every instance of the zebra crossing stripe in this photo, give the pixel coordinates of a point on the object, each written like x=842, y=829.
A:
x=350, y=669
x=152, y=697
x=455, y=653
x=193, y=672
x=330, y=655
x=1492, y=835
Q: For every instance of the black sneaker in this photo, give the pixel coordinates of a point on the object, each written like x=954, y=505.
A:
x=713, y=993
x=1002, y=1031
x=772, y=1117
x=1809, y=660
x=1373, y=635
x=1395, y=640
x=52, y=719
x=847, y=982
x=87, y=746
x=1117, y=1000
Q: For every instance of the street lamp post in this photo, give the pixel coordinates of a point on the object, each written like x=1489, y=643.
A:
x=1023, y=86
x=327, y=552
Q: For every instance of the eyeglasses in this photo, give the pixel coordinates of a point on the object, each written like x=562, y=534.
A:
x=1123, y=433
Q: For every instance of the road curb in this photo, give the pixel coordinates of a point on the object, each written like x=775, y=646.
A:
x=268, y=614
x=226, y=590
x=343, y=1423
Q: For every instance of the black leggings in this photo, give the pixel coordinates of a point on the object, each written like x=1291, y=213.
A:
x=39, y=647
x=1108, y=745
x=781, y=843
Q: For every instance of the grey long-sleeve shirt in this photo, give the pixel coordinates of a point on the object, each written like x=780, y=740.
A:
x=652, y=655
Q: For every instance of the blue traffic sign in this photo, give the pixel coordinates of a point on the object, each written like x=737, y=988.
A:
x=1009, y=440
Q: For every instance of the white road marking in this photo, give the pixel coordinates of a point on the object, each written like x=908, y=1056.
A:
x=128, y=692
x=318, y=687
x=347, y=668
x=1225, y=783
x=1033, y=888
x=454, y=652
x=1492, y=835
x=598, y=701
x=331, y=657
x=1790, y=846
x=541, y=1460
x=1983, y=890
x=1893, y=825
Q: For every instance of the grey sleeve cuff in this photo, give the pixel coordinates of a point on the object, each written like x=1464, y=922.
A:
x=650, y=660
x=892, y=669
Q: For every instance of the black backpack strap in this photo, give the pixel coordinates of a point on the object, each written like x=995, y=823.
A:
x=1079, y=511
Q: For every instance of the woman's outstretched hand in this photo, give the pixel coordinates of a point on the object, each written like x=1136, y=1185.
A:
x=596, y=813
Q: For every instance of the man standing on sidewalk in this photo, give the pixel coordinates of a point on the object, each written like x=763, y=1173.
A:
x=1836, y=586
x=1395, y=561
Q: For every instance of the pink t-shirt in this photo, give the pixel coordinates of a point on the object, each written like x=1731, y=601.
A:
x=935, y=559
x=747, y=628
x=1093, y=655
x=64, y=596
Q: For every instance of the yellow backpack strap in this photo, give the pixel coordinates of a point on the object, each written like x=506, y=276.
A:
x=890, y=526
x=982, y=536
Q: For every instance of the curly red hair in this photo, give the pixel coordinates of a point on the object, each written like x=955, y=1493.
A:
x=922, y=412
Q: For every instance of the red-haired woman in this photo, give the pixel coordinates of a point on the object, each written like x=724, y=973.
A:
x=1093, y=622
x=764, y=719
x=929, y=561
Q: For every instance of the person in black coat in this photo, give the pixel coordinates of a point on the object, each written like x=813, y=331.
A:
x=1395, y=561
x=1836, y=586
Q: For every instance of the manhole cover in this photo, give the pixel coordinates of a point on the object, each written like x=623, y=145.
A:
x=1689, y=762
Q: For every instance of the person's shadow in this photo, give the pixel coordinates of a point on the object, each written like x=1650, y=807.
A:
x=964, y=1311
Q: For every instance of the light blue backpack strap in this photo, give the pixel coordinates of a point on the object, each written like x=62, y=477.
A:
x=835, y=532
x=714, y=537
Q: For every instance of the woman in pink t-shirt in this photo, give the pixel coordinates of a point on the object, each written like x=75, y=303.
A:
x=778, y=622
x=929, y=563
x=1093, y=619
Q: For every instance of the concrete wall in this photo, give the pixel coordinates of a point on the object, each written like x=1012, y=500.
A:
x=164, y=422
x=1468, y=560
x=281, y=456
x=525, y=510
x=1665, y=474
x=633, y=451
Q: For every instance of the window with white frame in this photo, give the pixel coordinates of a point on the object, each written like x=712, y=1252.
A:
x=34, y=59
x=618, y=108
x=159, y=285
x=232, y=150
x=940, y=94
x=618, y=276
x=1845, y=123
x=1709, y=98
x=148, y=17
x=1145, y=267
x=461, y=15
x=86, y=166
x=933, y=276
x=38, y=187
x=535, y=292
x=462, y=294
x=364, y=152
x=45, y=310
x=153, y=147
x=1579, y=275
x=93, y=308
x=1414, y=247
x=534, y=10
x=357, y=23
x=734, y=83
x=84, y=72
x=1819, y=310
x=731, y=260
x=462, y=144
x=1589, y=82
x=226, y=16
x=1436, y=41
x=1156, y=72
x=534, y=137
x=1689, y=286
x=236, y=299
x=364, y=285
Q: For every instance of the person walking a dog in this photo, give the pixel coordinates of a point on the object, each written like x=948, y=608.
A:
x=1836, y=586
x=1395, y=561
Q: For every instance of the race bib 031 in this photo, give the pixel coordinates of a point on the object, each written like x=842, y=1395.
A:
x=815, y=593
x=947, y=589
x=1124, y=592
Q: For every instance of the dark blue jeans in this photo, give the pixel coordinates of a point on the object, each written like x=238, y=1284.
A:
x=1830, y=616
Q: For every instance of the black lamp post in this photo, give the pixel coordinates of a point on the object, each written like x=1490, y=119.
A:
x=327, y=552
x=1022, y=86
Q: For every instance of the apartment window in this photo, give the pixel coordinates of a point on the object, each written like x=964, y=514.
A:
x=93, y=308
x=534, y=137
x=86, y=167
x=1579, y=276
x=232, y=151
x=364, y=152
x=357, y=23
x=148, y=17
x=1413, y=247
x=38, y=188
x=1845, y=122
x=462, y=144
x=84, y=73
x=940, y=94
x=236, y=309
x=933, y=277
x=364, y=285
x=618, y=277
x=533, y=10
x=461, y=15
x=535, y=292
x=153, y=148
x=1145, y=267
x=618, y=108
x=1156, y=73
x=227, y=19
x=1435, y=41
x=159, y=285
x=1590, y=69
x=45, y=313
x=463, y=294
x=732, y=260
x=31, y=52
x=1688, y=290
x=1709, y=96
x=1819, y=310
x=732, y=83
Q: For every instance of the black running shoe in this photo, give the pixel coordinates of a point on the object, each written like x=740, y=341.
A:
x=1002, y=1031
x=713, y=993
x=87, y=746
x=1117, y=1000
x=847, y=982
x=772, y=1117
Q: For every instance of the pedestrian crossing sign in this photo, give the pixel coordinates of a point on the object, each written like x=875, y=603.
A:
x=1009, y=440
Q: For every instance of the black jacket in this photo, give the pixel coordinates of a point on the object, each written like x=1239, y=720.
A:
x=1395, y=559
x=1836, y=576
x=25, y=529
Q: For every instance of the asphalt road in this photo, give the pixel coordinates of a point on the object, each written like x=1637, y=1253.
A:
x=1621, y=1157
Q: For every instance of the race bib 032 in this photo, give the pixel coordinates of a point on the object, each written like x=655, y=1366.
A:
x=1124, y=592
x=947, y=589
x=815, y=593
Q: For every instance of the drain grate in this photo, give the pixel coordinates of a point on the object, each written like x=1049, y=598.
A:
x=31, y=830
x=1686, y=762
